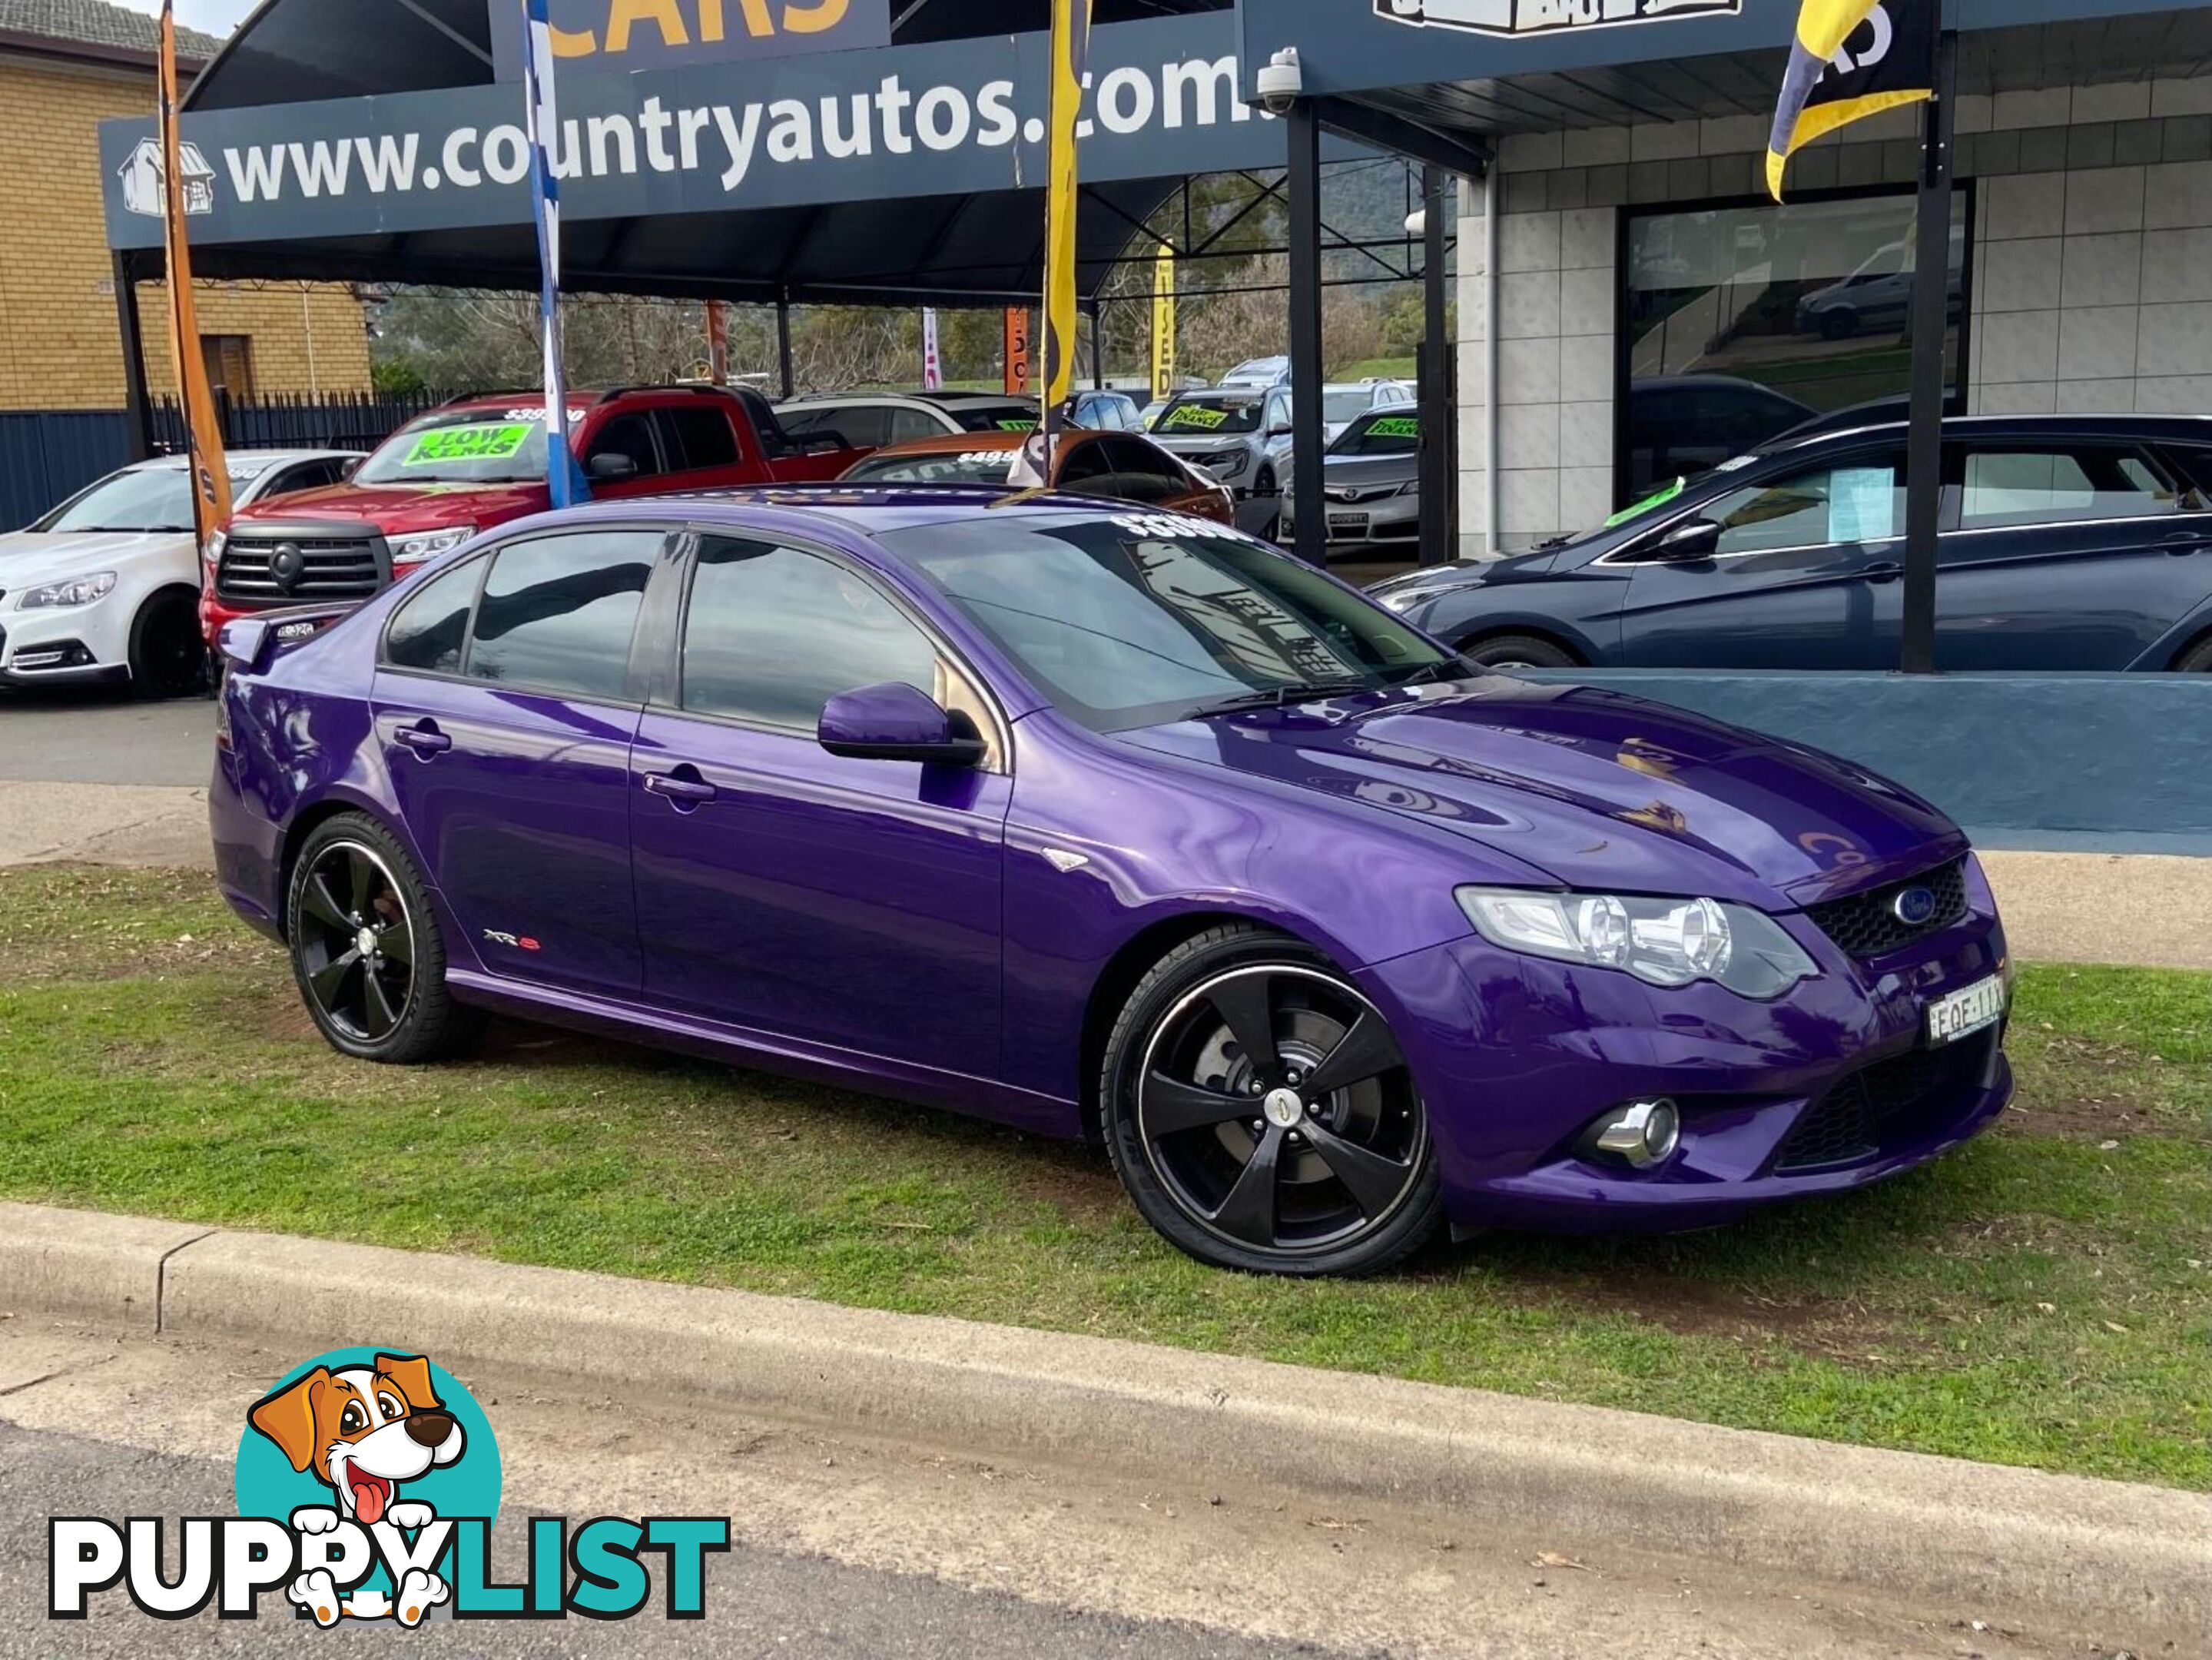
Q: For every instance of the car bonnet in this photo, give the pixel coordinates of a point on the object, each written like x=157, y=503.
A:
x=1604, y=792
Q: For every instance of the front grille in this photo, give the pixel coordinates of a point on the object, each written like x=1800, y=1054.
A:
x=330, y=568
x=1868, y=925
x=1875, y=1104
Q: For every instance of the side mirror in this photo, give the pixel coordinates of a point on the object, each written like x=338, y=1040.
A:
x=1689, y=542
x=895, y=722
x=1280, y=430
x=610, y=468
x=351, y=467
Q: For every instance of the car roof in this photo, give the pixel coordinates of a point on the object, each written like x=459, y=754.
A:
x=868, y=509
x=263, y=459
x=962, y=443
x=2192, y=428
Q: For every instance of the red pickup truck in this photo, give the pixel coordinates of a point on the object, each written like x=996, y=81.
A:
x=481, y=462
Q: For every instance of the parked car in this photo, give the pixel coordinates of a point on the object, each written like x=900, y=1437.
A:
x=1260, y=372
x=1112, y=822
x=1150, y=416
x=1104, y=410
x=1242, y=435
x=1371, y=480
x=2068, y=541
x=1342, y=404
x=869, y=420
x=106, y=587
x=480, y=462
x=1118, y=466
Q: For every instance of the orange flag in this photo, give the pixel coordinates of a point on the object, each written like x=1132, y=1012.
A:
x=210, y=467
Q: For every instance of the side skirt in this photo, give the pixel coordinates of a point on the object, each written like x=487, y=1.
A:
x=978, y=1097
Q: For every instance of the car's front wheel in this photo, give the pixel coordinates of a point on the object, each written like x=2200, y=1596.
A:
x=1262, y=1114
x=167, y=657
x=366, y=947
x=1519, y=651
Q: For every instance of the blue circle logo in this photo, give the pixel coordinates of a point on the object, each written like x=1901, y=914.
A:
x=388, y=1443
x=1915, y=906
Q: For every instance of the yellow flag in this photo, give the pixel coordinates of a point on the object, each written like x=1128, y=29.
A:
x=1071, y=46
x=210, y=468
x=1164, y=372
x=1851, y=58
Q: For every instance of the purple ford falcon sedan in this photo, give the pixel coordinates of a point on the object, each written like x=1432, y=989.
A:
x=1118, y=825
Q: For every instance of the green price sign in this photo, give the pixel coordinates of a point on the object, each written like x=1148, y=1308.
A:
x=1397, y=426
x=1198, y=415
x=484, y=442
x=1018, y=426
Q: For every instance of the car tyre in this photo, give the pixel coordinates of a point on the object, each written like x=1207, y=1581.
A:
x=2197, y=659
x=1519, y=651
x=167, y=657
x=1266, y=488
x=1343, y=1185
x=1839, y=324
x=367, y=950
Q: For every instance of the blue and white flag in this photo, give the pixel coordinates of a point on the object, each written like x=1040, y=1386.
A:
x=542, y=121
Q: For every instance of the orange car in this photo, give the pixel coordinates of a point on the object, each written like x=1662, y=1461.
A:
x=1118, y=467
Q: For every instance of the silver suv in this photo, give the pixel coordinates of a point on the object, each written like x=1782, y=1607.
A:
x=1242, y=435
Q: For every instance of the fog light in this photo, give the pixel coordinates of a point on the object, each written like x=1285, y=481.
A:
x=1641, y=1134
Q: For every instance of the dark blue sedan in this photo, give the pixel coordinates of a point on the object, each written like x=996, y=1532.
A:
x=2069, y=542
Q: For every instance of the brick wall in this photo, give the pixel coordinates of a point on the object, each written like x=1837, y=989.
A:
x=60, y=347
x=2093, y=269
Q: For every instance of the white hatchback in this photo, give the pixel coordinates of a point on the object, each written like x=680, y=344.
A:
x=106, y=587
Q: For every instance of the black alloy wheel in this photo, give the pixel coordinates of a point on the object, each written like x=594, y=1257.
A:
x=366, y=948
x=355, y=942
x=1265, y=1117
x=167, y=657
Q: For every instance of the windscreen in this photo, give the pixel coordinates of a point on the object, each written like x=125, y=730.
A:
x=1132, y=619
x=1380, y=435
x=144, y=499
x=464, y=447
x=1206, y=413
x=934, y=467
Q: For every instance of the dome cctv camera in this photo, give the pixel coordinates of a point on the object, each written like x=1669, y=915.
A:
x=1281, y=82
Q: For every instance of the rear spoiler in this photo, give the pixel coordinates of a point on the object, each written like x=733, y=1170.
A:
x=252, y=643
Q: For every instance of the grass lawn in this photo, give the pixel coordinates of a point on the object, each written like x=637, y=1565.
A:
x=2044, y=1297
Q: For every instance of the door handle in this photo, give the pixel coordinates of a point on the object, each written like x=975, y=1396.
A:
x=684, y=787
x=424, y=739
x=1886, y=572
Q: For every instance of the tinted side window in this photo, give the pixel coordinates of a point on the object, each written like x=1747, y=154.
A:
x=907, y=425
x=557, y=614
x=428, y=632
x=630, y=436
x=2048, y=487
x=773, y=633
x=863, y=426
x=697, y=438
x=307, y=476
x=1083, y=464
x=1142, y=473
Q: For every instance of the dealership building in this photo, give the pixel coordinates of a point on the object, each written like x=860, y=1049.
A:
x=1644, y=309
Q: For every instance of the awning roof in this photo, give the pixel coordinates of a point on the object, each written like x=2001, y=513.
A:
x=976, y=248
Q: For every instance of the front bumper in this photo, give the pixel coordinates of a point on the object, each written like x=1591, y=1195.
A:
x=1367, y=524
x=72, y=646
x=1830, y=1088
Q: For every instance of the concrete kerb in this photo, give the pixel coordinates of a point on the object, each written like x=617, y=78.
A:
x=2083, y=1555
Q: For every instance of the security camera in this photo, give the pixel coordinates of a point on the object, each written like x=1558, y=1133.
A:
x=1281, y=80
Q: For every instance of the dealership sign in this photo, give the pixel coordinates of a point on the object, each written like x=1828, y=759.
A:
x=1534, y=16
x=644, y=35
x=955, y=117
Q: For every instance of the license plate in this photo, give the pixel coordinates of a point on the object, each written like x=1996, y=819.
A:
x=1354, y=522
x=1965, y=1012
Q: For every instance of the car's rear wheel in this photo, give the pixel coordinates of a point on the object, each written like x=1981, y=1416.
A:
x=167, y=657
x=2197, y=659
x=1519, y=651
x=366, y=947
x=1262, y=1114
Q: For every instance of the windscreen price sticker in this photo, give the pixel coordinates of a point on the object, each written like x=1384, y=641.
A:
x=1397, y=426
x=484, y=442
x=1199, y=415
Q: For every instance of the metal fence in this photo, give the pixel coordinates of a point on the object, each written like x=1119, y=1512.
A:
x=48, y=455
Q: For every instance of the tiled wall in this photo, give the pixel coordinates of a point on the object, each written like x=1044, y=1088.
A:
x=2092, y=282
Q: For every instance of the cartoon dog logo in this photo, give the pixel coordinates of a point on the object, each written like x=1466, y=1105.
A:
x=364, y=1431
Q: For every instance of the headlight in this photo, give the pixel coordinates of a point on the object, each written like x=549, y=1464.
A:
x=1400, y=603
x=77, y=591
x=1411, y=487
x=213, y=551
x=1666, y=942
x=414, y=549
